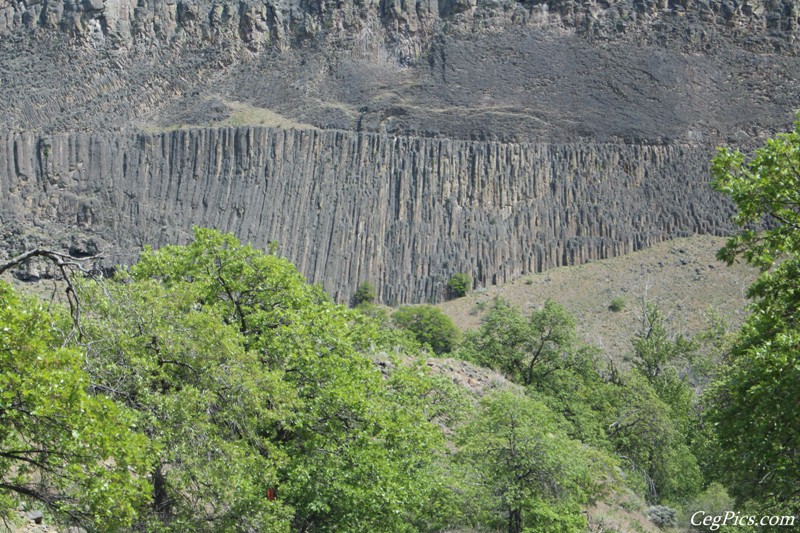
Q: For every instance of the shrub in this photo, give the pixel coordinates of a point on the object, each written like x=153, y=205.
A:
x=459, y=285
x=480, y=307
x=429, y=326
x=712, y=501
x=617, y=304
x=663, y=516
x=365, y=294
x=374, y=311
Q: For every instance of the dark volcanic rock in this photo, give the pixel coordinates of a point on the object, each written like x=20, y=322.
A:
x=391, y=141
x=403, y=212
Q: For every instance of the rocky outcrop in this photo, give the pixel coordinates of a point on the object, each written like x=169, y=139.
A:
x=493, y=137
x=476, y=379
x=404, y=213
x=556, y=71
x=404, y=27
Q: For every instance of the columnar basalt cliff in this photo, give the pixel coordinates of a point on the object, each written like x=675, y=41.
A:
x=404, y=212
x=387, y=141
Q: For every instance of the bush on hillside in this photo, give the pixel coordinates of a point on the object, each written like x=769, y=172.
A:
x=365, y=294
x=459, y=285
x=430, y=326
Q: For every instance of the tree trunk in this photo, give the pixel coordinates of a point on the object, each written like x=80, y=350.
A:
x=161, y=501
x=515, y=521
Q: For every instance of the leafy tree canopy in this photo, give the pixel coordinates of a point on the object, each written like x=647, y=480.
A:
x=754, y=402
x=524, y=349
x=430, y=326
x=527, y=474
x=263, y=395
x=459, y=285
x=81, y=455
x=644, y=414
x=241, y=398
x=210, y=405
x=365, y=294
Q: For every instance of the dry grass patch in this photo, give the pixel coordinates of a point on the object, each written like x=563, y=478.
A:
x=682, y=276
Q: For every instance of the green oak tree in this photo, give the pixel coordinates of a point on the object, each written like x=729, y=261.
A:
x=527, y=475
x=754, y=402
x=664, y=360
x=264, y=395
x=652, y=440
x=526, y=349
x=459, y=285
x=209, y=405
x=80, y=455
x=365, y=294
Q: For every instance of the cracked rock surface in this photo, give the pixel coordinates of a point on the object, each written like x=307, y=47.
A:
x=384, y=141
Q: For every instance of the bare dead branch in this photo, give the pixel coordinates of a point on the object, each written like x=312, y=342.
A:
x=66, y=264
x=59, y=259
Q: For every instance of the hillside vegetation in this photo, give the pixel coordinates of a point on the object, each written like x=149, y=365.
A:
x=240, y=398
x=682, y=276
x=208, y=387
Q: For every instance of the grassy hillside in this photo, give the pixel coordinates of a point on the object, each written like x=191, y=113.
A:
x=682, y=276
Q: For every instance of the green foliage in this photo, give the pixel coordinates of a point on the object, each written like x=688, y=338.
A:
x=763, y=189
x=712, y=343
x=753, y=403
x=76, y=453
x=269, y=408
x=541, y=352
x=714, y=501
x=459, y=285
x=210, y=405
x=262, y=295
x=655, y=421
x=617, y=304
x=654, y=350
x=660, y=356
x=430, y=326
x=375, y=312
x=526, y=473
x=439, y=400
x=646, y=415
x=254, y=381
x=365, y=294
x=578, y=391
x=526, y=350
x=645, y=431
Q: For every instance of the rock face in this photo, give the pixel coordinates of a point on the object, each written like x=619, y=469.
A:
x=406, y=27
x=388, y=141
x=405, y=213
